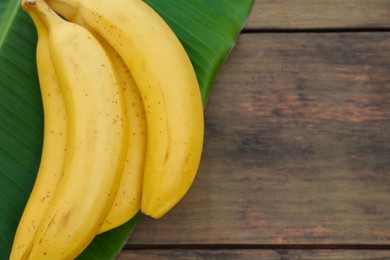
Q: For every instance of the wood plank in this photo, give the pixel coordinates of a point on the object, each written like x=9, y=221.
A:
x=319, y=14
x=236, y=254
x=297, y=147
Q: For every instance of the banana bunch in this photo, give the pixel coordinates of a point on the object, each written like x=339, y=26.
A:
x=123, y=123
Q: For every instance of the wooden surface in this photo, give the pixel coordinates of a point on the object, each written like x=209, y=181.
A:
x=255, y=254
x=296, y=162
x=319, y=14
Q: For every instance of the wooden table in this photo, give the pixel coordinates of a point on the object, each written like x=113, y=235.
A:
x=296, y=160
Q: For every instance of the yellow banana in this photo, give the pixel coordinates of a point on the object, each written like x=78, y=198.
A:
x=96, y=138
x=169, y=89
x=128, y=200
x=53, y=150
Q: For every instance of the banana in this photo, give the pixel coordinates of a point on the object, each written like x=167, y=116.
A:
x=96, y=138
x=169, y=89
x=53, y=150
x=128, y=200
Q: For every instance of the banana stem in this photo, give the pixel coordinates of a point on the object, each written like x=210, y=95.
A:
x=41, y=10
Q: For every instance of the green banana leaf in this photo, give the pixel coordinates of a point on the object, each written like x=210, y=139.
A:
x=207, y=30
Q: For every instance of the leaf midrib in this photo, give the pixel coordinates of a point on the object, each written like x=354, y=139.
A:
x=7, y=20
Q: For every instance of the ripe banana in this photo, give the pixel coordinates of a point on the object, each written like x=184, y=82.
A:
x=53, y=150
x=169, y=90
x=96, y=138
x=128, y=200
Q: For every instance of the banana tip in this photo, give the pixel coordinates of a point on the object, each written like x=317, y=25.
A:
x=29, y=2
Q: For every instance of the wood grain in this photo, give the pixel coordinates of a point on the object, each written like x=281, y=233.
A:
x=281, y=254
x=297, y=147
x=319, y=14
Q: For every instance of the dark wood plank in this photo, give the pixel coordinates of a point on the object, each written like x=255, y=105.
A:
x=319, y=14
x=235, y=254
x=297, y=147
